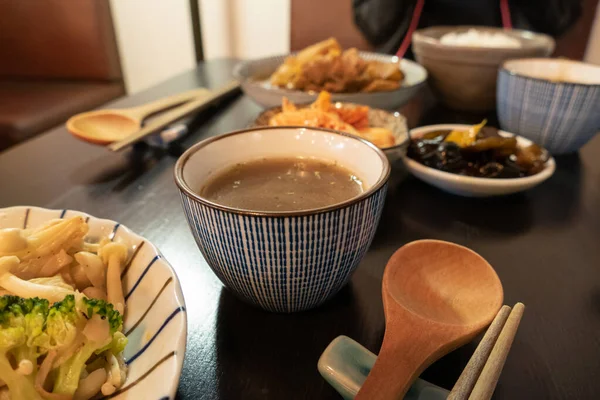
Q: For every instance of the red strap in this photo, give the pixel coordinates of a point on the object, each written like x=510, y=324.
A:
x=414, y=22
x=505, y=12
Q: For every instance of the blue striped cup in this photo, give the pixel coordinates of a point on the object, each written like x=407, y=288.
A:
x=283, y=261
x=553, y=102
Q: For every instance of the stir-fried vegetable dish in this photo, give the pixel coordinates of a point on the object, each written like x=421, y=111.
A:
x=61, y=313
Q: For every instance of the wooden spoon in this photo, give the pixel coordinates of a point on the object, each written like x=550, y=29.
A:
x=107, y=126
x=437, y=296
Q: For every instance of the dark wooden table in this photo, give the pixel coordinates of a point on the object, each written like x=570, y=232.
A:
x=544, y=244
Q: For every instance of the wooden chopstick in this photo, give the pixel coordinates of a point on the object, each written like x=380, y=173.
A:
x=485, y=385
x=176, y=114
x=465, y=383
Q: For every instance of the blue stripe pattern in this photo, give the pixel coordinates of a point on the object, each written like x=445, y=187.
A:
x=142, y=276
x=26, y=218
x=562, y=117
x=114, y=232
x=285, y=264
x=143, y=349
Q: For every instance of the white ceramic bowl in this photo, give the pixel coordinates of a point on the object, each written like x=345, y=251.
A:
x=283, y=261
x=254, y=77
x=472, y=186
x=156, y=320
x=554, y=102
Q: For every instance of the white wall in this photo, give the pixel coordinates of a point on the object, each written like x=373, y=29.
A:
x=592, y=55
x=216, y=27
x=155, y=40
x=245, y=28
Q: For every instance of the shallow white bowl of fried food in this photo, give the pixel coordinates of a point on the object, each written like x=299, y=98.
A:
x=390, y=83
x=101, y=266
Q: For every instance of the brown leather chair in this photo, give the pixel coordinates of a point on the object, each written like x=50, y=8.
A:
x=58, y=58
x=316, y=20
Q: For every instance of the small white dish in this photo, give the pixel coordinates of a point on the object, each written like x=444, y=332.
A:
x=472, y=186
x=155, y=321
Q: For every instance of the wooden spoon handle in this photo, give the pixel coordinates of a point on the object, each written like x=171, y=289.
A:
x=400, y=361
x=145, y=110
x=175, y=115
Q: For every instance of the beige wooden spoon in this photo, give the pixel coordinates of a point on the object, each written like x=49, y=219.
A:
x=107, y=126
x=436, y=297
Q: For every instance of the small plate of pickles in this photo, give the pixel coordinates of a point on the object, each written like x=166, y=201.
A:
x=476, y=160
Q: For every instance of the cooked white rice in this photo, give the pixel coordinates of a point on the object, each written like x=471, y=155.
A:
x=475, y=38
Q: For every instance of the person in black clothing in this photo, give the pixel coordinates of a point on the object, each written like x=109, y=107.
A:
x=385, y=23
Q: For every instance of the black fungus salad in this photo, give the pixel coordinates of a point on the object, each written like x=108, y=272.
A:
x=479, y=152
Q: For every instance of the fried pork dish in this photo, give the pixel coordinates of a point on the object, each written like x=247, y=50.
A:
x=325, y=66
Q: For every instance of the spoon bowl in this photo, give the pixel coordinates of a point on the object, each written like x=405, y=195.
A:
x=108, y=126
x=444, y=283
x=437, y=296
x=103, y=126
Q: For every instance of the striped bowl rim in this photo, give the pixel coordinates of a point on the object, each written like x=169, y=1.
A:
x=183, y=186
x=505, y=68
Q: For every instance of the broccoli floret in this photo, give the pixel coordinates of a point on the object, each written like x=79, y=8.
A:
x=29, y=328
x=13, y=335
x=105, y=310
x=69, y=372
x=61, y=323
x=6, y=302
x=31, y=314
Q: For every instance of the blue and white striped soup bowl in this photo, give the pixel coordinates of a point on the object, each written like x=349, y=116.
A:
x=553, y=102
x=283, y=261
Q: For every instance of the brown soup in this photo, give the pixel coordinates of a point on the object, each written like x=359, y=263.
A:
x=282, y=184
